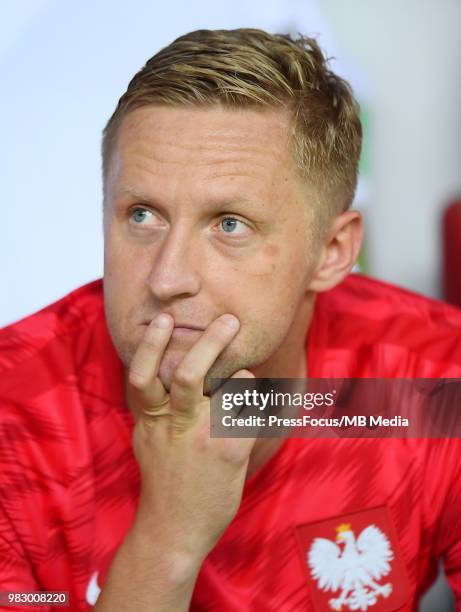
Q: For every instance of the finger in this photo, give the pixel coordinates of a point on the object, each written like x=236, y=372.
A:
x=246, y=443
x=241, y=374
x=247, y=375
x=224, y=386
x=187, y=385
x=143, y=372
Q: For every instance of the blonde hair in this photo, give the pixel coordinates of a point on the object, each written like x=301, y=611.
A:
x=251, y=68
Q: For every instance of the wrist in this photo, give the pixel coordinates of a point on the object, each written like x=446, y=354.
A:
x=178, y=561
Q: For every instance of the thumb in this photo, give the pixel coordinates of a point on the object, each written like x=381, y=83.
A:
x=240, y=374
x=243, y=374
x=246, y=442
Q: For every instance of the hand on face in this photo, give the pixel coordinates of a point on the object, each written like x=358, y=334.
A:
x=191, y=484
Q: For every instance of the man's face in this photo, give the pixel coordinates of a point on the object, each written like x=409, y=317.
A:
x=205, y=215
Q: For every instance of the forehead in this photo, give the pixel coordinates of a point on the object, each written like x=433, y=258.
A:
x=207, y=142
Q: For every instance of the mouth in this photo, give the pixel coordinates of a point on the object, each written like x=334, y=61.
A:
x=188, y=326
x=182, y=330
x=185, y=331
x=178, y=325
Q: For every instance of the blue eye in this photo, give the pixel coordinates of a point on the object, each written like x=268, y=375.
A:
x=229, y=224
x=140, y=215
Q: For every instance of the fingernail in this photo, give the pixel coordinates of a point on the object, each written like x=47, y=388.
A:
x=230, y=321
x=162, y=321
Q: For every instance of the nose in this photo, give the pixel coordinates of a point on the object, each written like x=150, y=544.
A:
x=175, y=268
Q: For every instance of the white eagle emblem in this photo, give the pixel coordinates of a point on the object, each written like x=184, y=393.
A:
x=355, y=569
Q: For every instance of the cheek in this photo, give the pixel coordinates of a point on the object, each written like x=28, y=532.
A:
x=266, y=263
x=125, y=287
x=247, y=270
x=260, y=300
x=273, y=272
x=124, y=266
x=270, y=280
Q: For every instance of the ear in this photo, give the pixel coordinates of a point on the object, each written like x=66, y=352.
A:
x=339, y=252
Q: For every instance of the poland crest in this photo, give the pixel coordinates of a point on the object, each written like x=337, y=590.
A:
x=352, y=568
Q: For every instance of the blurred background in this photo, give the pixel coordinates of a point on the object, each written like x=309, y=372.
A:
x=65, y=64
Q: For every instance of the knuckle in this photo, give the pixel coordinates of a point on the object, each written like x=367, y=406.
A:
x=185, y=378
x=137, y=379
x=181, y=425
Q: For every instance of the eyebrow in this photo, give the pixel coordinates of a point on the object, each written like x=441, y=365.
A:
x=211, y=205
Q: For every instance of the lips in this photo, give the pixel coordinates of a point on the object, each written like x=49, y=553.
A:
x=180, y=325
x=185, y=332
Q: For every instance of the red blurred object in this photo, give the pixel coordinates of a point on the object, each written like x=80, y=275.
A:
x=452, y=253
